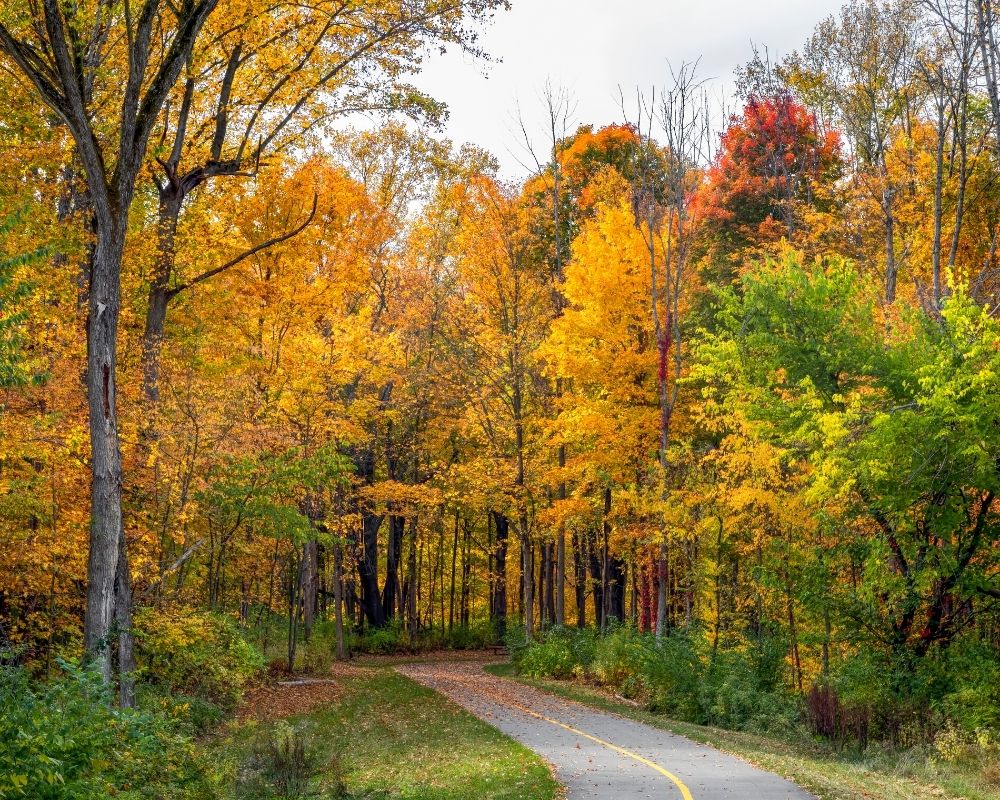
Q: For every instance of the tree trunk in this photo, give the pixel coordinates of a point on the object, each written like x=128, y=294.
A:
x=527, y=579
x=123, y=621
x=310, y=575
x=106, y=534
x=891, y=268
x=937, y=288
x=338, y=599
x=615, y=571
x=392, y=590
x=646, y=594
x=467, y=573
x=499, y=583
x=170, y=200
x=597, y=580
x=560, y=609
x=411, y=595
x=294, y=586
x=794, y=636
x=580, y=575
x=454, y=558
x=661, y=590
x=371, y=601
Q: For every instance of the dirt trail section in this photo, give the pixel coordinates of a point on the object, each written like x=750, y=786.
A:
x=600, y=755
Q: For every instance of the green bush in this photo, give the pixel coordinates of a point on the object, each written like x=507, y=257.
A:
x=65, y=740
x=378, y=641
x=743, y=688
x=971, y=697
x=195, y=654
x=473, y=636
x=621, y=659
x=552, y=657
x=739, y=689
x=672, y=678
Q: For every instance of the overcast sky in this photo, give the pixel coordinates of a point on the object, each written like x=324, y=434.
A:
x=592, y=47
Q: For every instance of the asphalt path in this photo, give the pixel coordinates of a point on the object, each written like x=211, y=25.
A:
x=595, y=754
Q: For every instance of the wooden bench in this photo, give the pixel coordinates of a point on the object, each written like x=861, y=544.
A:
x=498, y=649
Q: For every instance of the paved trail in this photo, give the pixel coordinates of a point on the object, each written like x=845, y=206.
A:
x=601, y=755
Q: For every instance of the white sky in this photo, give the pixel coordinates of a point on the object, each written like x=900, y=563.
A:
x=591, y=47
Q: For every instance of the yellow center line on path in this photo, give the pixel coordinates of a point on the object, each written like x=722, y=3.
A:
x=685, y=792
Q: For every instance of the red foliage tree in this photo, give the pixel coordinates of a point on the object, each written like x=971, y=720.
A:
x=772, y=159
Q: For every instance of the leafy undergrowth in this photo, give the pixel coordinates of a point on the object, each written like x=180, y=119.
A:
x=874, y=773
x=383, y=737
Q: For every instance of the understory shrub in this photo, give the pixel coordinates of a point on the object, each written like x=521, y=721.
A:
x=394, y=638
x=950, y=699
x=738, y=688
x=378, y=641
x=672, y=678
x=196, y=655
x=970, y=697
x=550, y=657
x=743, y=688
x=64, y=739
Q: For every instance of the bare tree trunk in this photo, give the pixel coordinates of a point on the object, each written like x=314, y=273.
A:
x=661, y=590
x=596, y=578
x=987, y=39
x=294, y=590
x=891, y=267
x=170, y=200
x=794, y=636
x=938, y=201
x=310, y=571
x=367, y=562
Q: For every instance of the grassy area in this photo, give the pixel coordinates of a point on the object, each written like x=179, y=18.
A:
x=385, y=737
x=815, y=766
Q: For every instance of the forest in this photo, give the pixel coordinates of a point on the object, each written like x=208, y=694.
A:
x=703, y=409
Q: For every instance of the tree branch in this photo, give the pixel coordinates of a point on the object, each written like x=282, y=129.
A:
x=247, y=254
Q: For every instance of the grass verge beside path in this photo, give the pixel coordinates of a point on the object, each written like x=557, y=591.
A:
x=812, y=765
x=389, y=737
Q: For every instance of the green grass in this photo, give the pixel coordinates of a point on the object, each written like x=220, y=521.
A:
x=396, y=739
x=815, y=766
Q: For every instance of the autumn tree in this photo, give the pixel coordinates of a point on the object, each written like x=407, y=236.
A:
x=497, y=331
x=58, y=49
x=266, y=83
x=773, y=163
